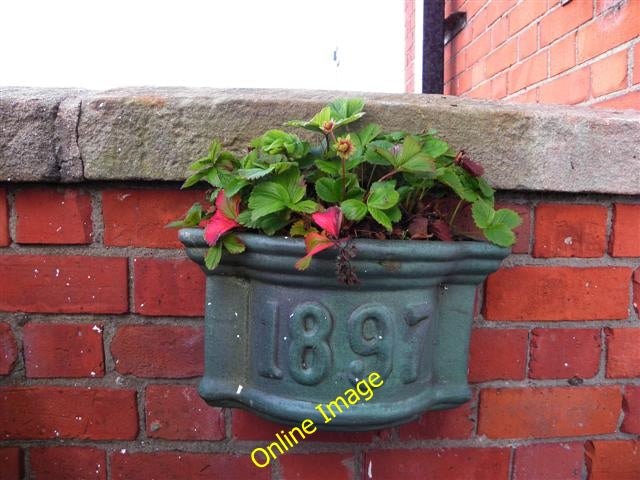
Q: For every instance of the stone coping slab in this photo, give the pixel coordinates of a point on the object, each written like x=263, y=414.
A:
x=152, y=134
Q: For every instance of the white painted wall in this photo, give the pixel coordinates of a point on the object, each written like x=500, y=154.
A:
x=102, y=44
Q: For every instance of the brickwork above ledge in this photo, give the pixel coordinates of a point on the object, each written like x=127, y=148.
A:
x=63, y=135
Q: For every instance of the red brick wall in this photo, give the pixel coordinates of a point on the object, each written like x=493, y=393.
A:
x=586, y=52
x=101, y=345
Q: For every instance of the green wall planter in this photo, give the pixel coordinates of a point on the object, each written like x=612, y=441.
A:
x=279, y=342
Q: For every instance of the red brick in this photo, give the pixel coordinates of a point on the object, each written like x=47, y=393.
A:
x=473, y=6
x=613, y=459
x=564, y=353
x=568, y=90
x=318, y=466
x=548, y=412
x=549, y=461
x=39, y=413
x=499, y=86
x=562, y=55
x=525, y=14
x=627, y=101
x=462, y=39
x=11, y=463
x=635, y=281
x=183, y=465
x=176, y=412
x=68, y=350
x=68, y=462
x=615, y=27
x=528, y=42
x=563, y=230
x=623, y=352
x=478, y=49
x=609, y=74
x=138, y=217
x=501, y=58
x=636, y=64
x=441, y=464
x=246, y=426
x=463, y=82
x=168, y=287
x=529, y=96
x=631, y=408
x=558, y=293
x=496, y=9
x=625, y=232
x=483, y=91
x=58, y=284
x=4, y=219
x=455, y=423
x=478, y=23
x=53, y=216
x=528, y=72
x=564, y=19
x=496, y=354
x=499, y=32
x=602, y=5
x=8, y=349
x=158, y=351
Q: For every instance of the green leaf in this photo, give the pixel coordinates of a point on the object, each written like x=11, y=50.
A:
x=305, y=206
x=500, y=235
x=387, y=156
x=191, y=219
x=410, y=148
x=354, y=210
x=270, y=224
x=213, y=256
x=343, y=108
x=381, y=217
x=294, y=185
x=266, y=198
x=195, y=178
x=394, y=214
x=368, y=133
x=372, y=156
x=435, y=147
x=233, y=185
x=485, y=188
x=299, y=229
x=330, y=167
x=329, y=189
x=482, y=213
x=233, y=244
x=507, y=217
x=255, y=173
x=383, y=195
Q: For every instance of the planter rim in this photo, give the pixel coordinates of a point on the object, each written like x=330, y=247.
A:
x=386, y=264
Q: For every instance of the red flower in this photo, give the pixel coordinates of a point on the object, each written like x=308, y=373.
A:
x=224, y=219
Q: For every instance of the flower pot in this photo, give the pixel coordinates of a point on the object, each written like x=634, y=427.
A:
x=279, y=342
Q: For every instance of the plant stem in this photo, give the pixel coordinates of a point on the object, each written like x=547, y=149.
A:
x=388, y=175
x=455, y=212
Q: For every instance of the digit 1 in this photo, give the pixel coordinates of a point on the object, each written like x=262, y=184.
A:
x=267, y=332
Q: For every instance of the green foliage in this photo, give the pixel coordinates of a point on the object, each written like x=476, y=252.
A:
x=379, y=181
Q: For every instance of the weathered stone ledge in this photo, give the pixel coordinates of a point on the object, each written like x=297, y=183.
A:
x=148, y=134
